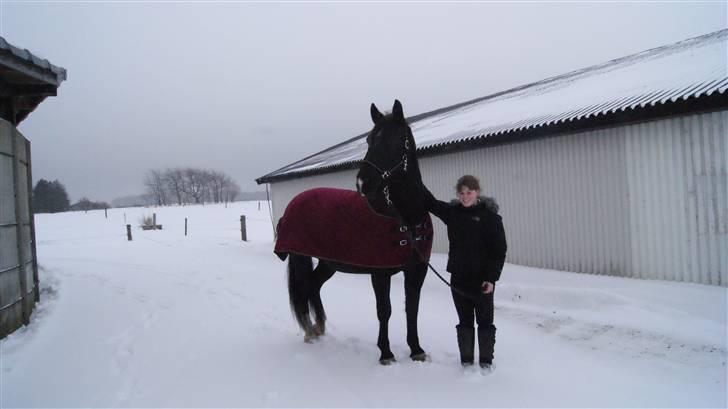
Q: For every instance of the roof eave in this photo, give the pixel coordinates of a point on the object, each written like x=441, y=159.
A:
x=693, y=105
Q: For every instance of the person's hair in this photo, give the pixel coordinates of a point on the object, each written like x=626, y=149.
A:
x=469, y=181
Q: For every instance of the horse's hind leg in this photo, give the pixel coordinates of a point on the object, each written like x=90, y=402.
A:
x=300, y=277
x=414, y=277
x=320, y=275
x=382, y=283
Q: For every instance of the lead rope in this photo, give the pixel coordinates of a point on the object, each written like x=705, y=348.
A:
x=477, y=298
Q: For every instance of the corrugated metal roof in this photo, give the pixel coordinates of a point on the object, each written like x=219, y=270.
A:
x=26, y=81
x=694, y=68
x=31, y=65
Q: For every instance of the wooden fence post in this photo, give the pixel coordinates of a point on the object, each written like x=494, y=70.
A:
x=243, y=232
x=128, y=232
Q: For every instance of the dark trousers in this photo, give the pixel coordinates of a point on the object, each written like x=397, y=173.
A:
x=470, y=310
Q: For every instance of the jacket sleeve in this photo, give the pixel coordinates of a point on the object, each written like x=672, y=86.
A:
x=437, y=207
x=495, y=237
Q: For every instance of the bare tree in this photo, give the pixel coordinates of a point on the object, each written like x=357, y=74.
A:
x=190, y=185
x=175, y=181
x=194, y=184
x=230, y=190
x=155, y=185
x=218, y=181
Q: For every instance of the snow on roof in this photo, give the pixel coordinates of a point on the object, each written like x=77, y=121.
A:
x=691, y=68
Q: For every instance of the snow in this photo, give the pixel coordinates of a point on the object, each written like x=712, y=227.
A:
x=690, y=68
x=203, y=320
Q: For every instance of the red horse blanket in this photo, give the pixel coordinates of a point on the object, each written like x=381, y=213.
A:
x=338, y=225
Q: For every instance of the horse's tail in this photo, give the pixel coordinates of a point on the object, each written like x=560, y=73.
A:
x=300, y=277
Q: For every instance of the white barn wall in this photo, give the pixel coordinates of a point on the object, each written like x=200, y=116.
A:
x=553, y=195
x=646, y=200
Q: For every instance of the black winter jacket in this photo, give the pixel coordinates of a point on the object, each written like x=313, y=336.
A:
x=477, y=238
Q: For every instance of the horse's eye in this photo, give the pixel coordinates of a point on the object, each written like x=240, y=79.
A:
x=374, y=138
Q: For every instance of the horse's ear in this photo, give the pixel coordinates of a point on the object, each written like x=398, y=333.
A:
x=397, y=111
x=376, y=115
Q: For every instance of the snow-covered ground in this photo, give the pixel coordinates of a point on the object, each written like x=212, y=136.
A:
x=203, y=320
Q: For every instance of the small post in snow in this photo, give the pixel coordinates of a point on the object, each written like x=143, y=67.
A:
x=243, y=232
x=106, y=214
x=259, y=205
x=154, y=221
x=128, y=232
x=185, y=227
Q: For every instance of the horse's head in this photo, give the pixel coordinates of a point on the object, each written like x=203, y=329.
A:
x=389, y=177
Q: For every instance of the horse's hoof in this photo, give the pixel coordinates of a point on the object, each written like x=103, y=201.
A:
x=387, y=361
x=421, y=357
x=309, y=338
x=319, y=329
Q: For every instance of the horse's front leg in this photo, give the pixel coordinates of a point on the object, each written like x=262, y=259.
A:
x=382, y=283
x=414, y=277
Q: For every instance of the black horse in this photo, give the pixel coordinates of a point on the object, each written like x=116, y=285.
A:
x=389, y=180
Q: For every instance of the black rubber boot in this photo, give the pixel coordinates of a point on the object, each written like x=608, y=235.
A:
x=486, y=345
x=466, y=344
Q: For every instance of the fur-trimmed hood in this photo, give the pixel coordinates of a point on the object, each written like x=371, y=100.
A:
x=483, y=201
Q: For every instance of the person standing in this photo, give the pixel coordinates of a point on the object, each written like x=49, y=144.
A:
x=475, y=260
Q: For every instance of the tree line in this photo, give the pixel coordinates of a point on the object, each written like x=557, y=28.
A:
x=51, y=197
x=189, y=185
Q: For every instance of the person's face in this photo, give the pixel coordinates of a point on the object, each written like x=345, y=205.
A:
x=468, y=197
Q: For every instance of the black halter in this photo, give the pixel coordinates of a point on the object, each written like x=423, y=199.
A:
x=386, y=174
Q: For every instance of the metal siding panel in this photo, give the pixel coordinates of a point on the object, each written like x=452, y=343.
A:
x=621, y=211
x=690, y=198
x=655, y=132
x=10, y=319
x=9, y=287
x=711, y=209
x=633, y=181
x=23, y=193
x=601, y=220
x=7, y=195
x=676, y=226
x=722, y=119
x=699, y=173
x=8, y=247
x=551, y=192
x=20, y=146
x=577, y=198
x=5, y=141
x=711, y=127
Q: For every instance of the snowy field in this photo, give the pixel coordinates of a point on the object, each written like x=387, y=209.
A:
x=167, y=320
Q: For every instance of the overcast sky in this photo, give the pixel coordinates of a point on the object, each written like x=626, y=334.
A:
x=246, y=88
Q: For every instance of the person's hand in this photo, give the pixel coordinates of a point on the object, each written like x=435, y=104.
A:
x=488, y=287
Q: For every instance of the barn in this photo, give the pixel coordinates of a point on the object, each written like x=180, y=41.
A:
x=25, y=81
x=615, y=169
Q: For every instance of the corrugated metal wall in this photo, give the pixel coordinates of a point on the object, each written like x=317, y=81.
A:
x=18, y=269
x=646, y=200
x=563, y=200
